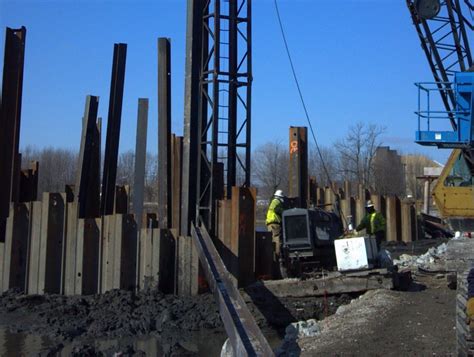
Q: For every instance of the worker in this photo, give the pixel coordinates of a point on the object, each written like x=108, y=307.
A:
x=373, y=223
x=273, y=223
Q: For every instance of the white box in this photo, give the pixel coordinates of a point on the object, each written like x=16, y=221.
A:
x=355, y=253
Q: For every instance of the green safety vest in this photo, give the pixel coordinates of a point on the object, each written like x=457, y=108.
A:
x=373, y=223
x=274, y=212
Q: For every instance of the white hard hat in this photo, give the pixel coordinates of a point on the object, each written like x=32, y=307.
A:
x=279, y=193
x=369, y=204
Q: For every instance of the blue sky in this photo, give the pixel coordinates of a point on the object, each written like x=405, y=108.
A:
x=356, y=61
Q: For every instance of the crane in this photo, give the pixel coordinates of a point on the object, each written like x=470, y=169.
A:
x=443, y=28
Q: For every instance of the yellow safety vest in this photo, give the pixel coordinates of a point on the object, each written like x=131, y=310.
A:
x=274, y=212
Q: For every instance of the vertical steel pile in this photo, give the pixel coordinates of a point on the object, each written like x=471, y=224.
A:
x=10, y=117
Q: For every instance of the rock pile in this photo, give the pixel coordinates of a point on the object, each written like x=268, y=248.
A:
x=431, y=260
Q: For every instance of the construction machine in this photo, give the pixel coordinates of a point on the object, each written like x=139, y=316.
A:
x=446, y=121
x=443, y=27
x=308, y=240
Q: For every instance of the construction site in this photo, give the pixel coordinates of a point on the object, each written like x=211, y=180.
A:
x=209, y=259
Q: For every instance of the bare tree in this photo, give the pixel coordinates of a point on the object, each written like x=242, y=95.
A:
x=126, y=168
x=57, y=167
x=151, y=178
x=324, y=173
x=270, y=168
x=357, y=151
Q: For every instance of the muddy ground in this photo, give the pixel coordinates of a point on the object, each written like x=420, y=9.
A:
x=73, y=325
x=417, y=322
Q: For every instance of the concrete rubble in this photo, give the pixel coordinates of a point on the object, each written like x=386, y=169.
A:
x=433, y=259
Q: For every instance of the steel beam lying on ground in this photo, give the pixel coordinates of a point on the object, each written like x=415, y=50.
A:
x=10, y=111
x=244, y=334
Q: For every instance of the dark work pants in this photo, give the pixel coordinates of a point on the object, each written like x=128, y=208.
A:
x=379, y=237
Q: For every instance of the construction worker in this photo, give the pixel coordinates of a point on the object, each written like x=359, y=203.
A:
x=373, y=223
x=273, y=223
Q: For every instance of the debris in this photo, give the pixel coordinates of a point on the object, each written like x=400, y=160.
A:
x=430, y=260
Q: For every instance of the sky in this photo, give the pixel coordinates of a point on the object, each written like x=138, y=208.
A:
x=357, y=60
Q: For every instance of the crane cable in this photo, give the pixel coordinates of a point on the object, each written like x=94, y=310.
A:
x=304, y=107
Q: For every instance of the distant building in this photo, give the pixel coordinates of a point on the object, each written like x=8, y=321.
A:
x=389, y=172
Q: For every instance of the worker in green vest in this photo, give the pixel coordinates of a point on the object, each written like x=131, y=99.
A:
x=273, y=223
x=373, y=223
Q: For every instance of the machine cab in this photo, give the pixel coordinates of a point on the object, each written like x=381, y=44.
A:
x=307, y=230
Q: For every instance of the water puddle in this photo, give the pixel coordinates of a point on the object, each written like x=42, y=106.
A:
x=15, y=344
x=204, y=343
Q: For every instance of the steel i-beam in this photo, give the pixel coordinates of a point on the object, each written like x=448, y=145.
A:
x=10, y=115
x=113, y=129
x=164, y=133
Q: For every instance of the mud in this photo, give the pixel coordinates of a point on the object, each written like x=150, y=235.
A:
x=122, y=321
x=77, y=321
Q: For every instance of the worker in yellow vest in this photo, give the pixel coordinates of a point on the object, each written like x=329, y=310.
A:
x=373, y=223
x=273, y=223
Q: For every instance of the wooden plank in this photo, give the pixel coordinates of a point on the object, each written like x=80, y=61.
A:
x=34, y=248
x=296, y=288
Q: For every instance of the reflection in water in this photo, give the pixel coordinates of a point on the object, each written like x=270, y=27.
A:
x=207, y=343
x=14, y=344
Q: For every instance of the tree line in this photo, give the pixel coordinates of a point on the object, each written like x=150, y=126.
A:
x=357, y=158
